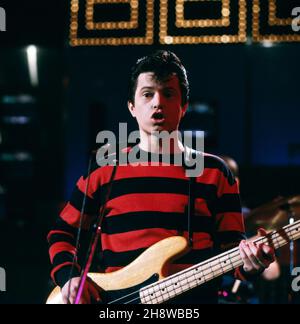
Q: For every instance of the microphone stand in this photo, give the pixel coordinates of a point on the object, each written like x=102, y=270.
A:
x=291, y=219
x=292, y=261
x=95, y=239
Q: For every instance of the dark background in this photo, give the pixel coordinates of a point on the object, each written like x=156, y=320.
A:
x=252, y=92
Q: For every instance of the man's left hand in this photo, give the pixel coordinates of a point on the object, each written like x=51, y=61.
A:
x=256, y=256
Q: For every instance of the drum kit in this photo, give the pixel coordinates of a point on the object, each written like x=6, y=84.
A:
x=275, y=214
x=271, y=216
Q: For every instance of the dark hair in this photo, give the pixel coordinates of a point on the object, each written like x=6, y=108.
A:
x=232, y=164
x=162, y=63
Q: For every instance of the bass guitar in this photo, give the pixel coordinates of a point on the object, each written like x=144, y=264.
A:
x=146, y=280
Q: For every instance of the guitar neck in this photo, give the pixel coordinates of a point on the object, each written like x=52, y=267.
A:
x=203, y=272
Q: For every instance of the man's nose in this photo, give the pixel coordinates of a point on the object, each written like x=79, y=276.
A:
x=157, y=101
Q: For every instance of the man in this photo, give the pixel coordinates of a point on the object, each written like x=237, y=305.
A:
x=148, y=202
x=272, y=272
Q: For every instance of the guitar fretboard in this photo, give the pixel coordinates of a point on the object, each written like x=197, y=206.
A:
x=203, y=272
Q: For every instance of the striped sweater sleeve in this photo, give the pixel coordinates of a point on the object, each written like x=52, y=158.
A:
x=62, y=237
x=229, y=218
x=230, y=228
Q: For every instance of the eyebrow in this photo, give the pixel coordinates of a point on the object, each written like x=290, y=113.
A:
x=151, y=88
x=146, y=88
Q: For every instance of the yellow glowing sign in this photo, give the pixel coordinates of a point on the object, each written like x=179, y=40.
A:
x=147, y=39
x=201, y=23
x=89, y=14
x=166, y=38
x=273, y=21
x=174, y=31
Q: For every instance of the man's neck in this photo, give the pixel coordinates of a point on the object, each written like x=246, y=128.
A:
x=154, y=144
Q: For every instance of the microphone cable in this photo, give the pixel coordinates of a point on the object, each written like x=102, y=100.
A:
x=95, y=238
x=79, y=229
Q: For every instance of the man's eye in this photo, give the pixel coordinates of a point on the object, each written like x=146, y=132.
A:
x=147, y=94
x=169, y=94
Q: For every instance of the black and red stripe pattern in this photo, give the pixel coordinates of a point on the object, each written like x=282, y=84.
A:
x=146, y=205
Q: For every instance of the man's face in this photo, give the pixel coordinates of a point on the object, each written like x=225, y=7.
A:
x=157, y=105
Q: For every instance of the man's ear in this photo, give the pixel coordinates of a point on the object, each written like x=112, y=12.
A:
x=131, y=108
x=184, y=109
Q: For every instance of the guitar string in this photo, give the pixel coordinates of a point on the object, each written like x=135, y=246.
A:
x=156, y=298
x=183, y=272
x=182, y=291
x=234, y=252
x=175, y=275
x=233, y=255
x=235, y=264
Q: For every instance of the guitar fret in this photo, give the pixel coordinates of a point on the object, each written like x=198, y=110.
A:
x=225, y=265
x=206, y=272
x=163, y=288
x=210, y=268
x=177, y=287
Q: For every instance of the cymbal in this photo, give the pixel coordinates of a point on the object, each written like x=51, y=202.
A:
x=275, y=214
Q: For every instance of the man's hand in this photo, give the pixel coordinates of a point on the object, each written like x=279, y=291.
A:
x=89, y=291
x=256, y=257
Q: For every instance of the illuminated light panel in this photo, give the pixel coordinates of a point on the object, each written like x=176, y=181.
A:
x=111, y=25
x=32, y=64
x=273, y=21
x=164, y=38
x=112, y=41
x=201, y=23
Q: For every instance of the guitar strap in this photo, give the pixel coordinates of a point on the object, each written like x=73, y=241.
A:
x=191, y=209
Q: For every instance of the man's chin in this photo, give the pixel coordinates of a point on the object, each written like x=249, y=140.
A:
x=159, y=128
x=156, y=130
x=152, y=129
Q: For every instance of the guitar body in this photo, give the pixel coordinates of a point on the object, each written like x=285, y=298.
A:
x=150, y=266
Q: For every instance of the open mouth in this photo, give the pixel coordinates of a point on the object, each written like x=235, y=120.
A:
x=158, y=117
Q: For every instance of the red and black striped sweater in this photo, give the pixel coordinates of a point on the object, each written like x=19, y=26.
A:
x=147, y=204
